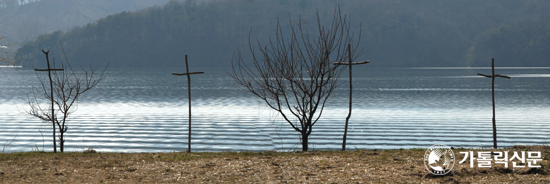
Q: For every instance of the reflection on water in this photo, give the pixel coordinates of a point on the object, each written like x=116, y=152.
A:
x=145, y=110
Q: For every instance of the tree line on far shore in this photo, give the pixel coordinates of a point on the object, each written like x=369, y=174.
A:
x=394, y=32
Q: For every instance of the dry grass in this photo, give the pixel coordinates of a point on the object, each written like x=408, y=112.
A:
x=364, y=166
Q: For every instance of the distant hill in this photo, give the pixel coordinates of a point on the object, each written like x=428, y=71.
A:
x=394, y=32
x=19, y=24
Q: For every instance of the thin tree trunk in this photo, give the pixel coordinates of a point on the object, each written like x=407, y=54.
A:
x=304, y=140
x=61, y=141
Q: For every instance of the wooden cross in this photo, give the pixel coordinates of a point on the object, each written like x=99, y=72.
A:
x=493, y=76
x=350, y=90
x=49, y=70
x=189, y=94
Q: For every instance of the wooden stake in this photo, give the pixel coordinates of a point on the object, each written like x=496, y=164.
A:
x=49, y=70
x=350, y=91
x=493, y=76
x=189, y=95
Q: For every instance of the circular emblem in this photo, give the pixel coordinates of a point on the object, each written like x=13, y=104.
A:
x=439, y=159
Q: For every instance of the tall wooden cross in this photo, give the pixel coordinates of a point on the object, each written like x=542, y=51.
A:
x=350, y=90
x=493, y=76
x=49, y=70
x=189, y=94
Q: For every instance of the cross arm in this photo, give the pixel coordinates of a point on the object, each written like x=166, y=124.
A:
x=484, y=75
x=347, y=63
x=362, y=62
x=42, y=70
x=503, y=76
x=190, y=73
x=490, y=76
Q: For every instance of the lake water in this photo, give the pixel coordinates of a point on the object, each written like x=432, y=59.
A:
x=145, y=110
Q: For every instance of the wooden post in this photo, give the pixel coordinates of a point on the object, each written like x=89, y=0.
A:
x=350, y=91
x=189, y=94
x=493, y=76
x=49, y=70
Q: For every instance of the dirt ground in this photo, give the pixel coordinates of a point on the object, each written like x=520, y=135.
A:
x=359, y=166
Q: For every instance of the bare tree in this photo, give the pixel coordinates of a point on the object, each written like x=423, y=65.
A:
x=63, y=89
x=293, y=73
